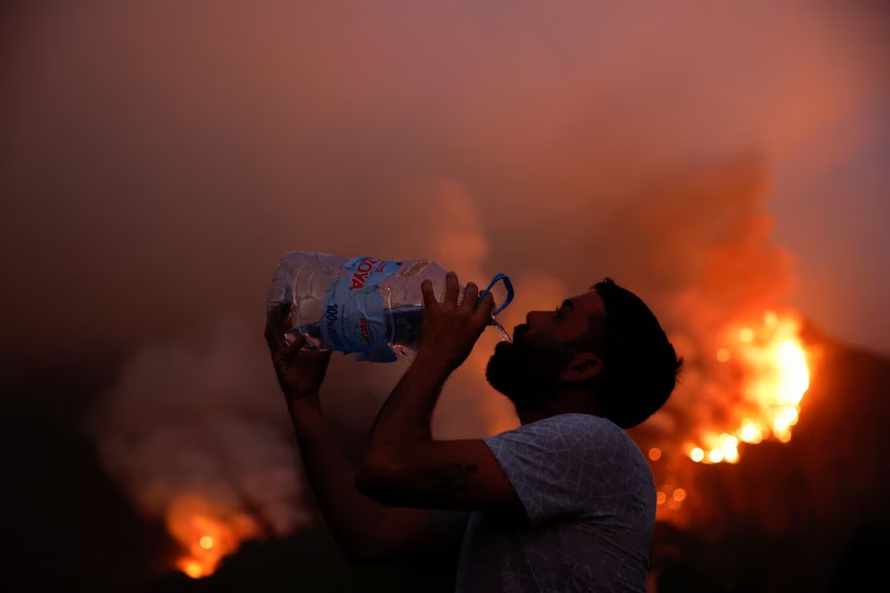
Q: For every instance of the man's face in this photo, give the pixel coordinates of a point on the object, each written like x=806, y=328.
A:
x=528, y=370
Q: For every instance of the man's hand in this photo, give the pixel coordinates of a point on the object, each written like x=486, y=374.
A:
x=300, y=374
x=452, y=328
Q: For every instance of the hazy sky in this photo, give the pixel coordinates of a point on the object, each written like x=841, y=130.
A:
x=156, y=157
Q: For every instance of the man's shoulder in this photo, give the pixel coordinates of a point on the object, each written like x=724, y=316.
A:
x=578, y=424
x=568, y=432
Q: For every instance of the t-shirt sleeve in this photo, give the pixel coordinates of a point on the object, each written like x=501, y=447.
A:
x=567, y=465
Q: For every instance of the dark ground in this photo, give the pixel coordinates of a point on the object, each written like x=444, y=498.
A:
x=808, y=516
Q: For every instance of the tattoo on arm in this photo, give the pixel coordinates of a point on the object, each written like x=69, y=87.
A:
x=451, y=475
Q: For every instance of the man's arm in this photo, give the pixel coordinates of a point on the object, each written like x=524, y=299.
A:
x=403, y=465
x=365, y=530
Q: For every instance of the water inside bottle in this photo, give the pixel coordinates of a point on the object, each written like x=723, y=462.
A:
x=406, y=323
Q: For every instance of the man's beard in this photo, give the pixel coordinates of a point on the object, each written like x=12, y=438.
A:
x=526, y=371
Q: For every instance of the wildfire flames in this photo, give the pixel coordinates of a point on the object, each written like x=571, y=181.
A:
x=773, y=364
x=206, y=534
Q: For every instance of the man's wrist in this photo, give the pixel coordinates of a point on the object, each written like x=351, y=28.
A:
x=436, y=368
x=307, y=417
x=308, y=404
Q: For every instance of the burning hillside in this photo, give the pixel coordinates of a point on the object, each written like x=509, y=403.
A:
x=769, y=366
x=771, y=363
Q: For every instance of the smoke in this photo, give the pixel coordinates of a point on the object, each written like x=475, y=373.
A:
x=201, y=421
x=157, y=158
x=708, y=265
x=171, y=169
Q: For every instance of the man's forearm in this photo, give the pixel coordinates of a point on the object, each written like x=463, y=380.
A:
x=353, y=518
x=405, y=417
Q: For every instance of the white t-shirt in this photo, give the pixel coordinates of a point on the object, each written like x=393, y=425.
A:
x=589, y=497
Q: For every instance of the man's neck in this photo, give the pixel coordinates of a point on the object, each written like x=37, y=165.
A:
x=566, y=402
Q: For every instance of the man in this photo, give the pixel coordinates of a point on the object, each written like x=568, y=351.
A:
x=566, y=502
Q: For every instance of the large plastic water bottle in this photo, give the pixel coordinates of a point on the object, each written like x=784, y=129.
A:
x=364, y=305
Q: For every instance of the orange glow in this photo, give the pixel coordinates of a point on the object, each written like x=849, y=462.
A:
x=795, y=378
x=773, y=364
x=750, y=432
x=679, y=495
x=206, y=533
x=785, y=419
x=654, y=454
x=660, y=497
x=728, y=446
x=192, y=568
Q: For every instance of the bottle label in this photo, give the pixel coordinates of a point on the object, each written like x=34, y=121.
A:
x=355, y=319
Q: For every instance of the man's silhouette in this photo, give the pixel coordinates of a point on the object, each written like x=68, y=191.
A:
x=566, y=502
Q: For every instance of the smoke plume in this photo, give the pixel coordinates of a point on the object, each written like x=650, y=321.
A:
x=201, y=421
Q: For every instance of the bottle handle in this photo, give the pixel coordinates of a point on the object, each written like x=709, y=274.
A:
x=508, y=286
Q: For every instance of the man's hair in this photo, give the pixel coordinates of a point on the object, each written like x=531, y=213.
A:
x=640, y=366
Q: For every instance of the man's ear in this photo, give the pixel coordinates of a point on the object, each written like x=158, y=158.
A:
x=583, y=367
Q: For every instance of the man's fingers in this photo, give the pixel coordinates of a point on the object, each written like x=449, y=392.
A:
x=276, y=321
x=308, y=362
x=273, y=339
x=429, y=297
x=295, y=346
x=471, y=295
x=277, y=315
x=485, y=308
x=452, y=288
x=276, y=325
